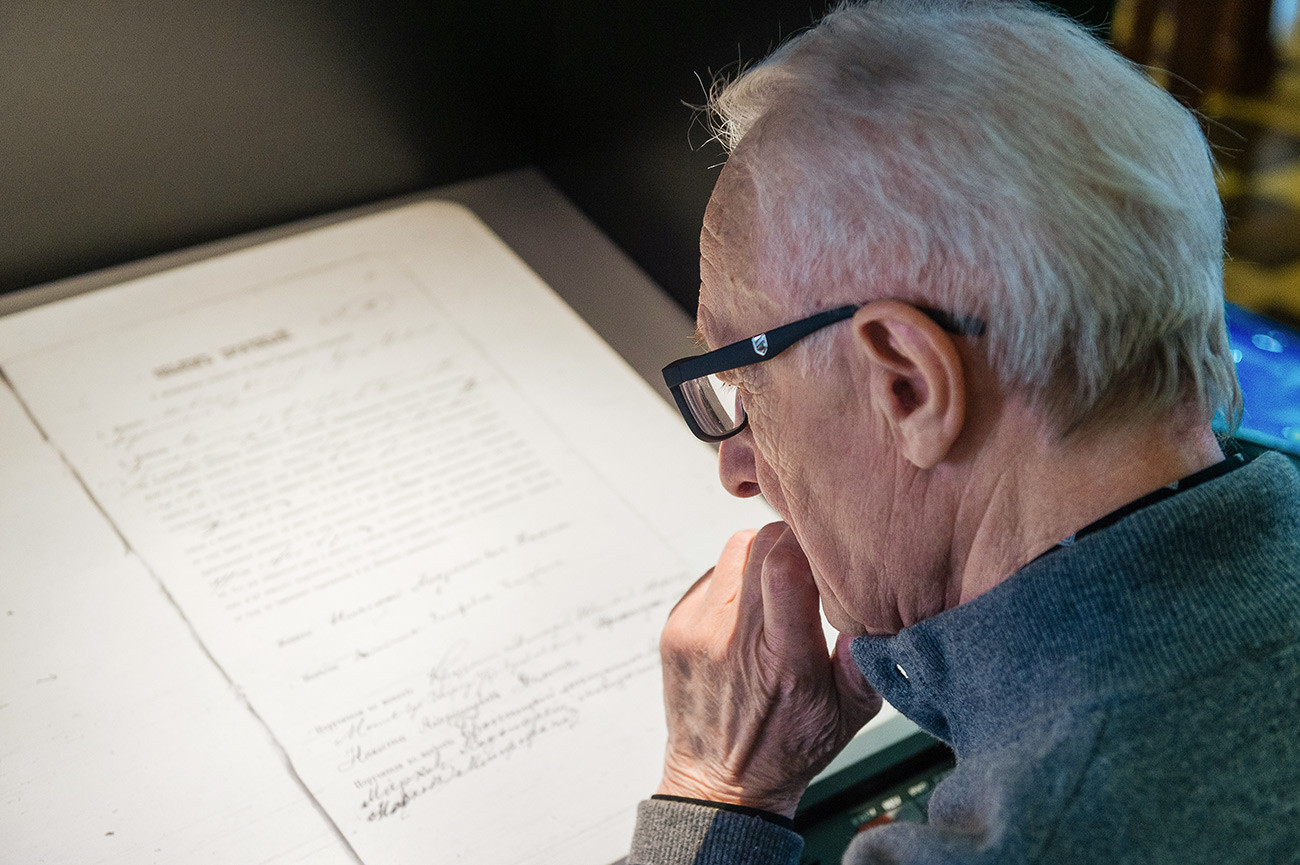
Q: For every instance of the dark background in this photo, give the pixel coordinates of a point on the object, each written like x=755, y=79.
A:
x=132, y=127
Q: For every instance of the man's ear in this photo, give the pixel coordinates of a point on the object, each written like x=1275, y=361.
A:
x=917, y=380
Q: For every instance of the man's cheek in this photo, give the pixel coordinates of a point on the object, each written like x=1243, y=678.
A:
x=767, y=468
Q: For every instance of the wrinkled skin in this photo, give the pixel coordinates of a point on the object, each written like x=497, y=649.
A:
x=758, y=706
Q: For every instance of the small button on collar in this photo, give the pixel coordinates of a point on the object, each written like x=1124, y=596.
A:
x=902, y=672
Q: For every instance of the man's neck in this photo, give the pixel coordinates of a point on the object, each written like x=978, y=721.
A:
x=1049, y=489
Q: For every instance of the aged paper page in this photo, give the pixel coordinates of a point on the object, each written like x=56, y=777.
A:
x=120, y=741
x=413, y=508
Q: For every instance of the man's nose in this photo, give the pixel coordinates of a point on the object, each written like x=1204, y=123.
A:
x=736, y=465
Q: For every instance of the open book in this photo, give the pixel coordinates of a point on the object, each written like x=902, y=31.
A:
x=351, y=546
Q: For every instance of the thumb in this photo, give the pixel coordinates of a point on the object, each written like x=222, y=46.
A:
x=791, y=606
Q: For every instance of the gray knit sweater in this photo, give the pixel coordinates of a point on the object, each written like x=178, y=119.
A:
x=1134, y=697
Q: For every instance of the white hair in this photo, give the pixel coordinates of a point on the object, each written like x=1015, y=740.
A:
x=993, y=159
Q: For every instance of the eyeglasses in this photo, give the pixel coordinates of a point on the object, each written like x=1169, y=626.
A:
x=712, y=407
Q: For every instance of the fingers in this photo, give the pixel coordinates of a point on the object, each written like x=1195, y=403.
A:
x=728, y=575
x=706, y=607
x=754, y=703
x=729, y=580
x=751, y=585
x=696, y=587
x=727, y=603
x=792, y=624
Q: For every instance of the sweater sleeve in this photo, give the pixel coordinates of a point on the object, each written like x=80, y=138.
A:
x=680, y=833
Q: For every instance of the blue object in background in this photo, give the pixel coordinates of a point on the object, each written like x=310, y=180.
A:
x=1267, y=354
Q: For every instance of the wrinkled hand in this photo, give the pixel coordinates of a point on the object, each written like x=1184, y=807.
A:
x=756, y=705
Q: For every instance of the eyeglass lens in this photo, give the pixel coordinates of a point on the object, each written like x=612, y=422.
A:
x=714, y=403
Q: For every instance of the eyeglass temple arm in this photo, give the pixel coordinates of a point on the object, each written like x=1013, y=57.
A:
x=964, y=325
x=747, y=351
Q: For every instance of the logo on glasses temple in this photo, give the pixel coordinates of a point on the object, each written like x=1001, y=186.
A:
x=760, y=344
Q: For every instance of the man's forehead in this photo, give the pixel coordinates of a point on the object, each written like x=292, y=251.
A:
x=735, y=312
x=727, y=243
x=729, y=216
x=727, y=303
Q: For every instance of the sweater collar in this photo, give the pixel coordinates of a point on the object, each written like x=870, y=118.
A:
x=1175, y=588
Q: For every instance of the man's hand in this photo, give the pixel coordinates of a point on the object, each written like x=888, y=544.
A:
x=756, y=705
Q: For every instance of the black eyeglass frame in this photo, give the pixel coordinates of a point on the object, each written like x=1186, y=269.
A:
x=767, y=345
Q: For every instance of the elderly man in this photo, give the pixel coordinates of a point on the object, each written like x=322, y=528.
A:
x=962, y=279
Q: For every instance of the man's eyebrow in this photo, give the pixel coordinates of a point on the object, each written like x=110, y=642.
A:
x=699, y=338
